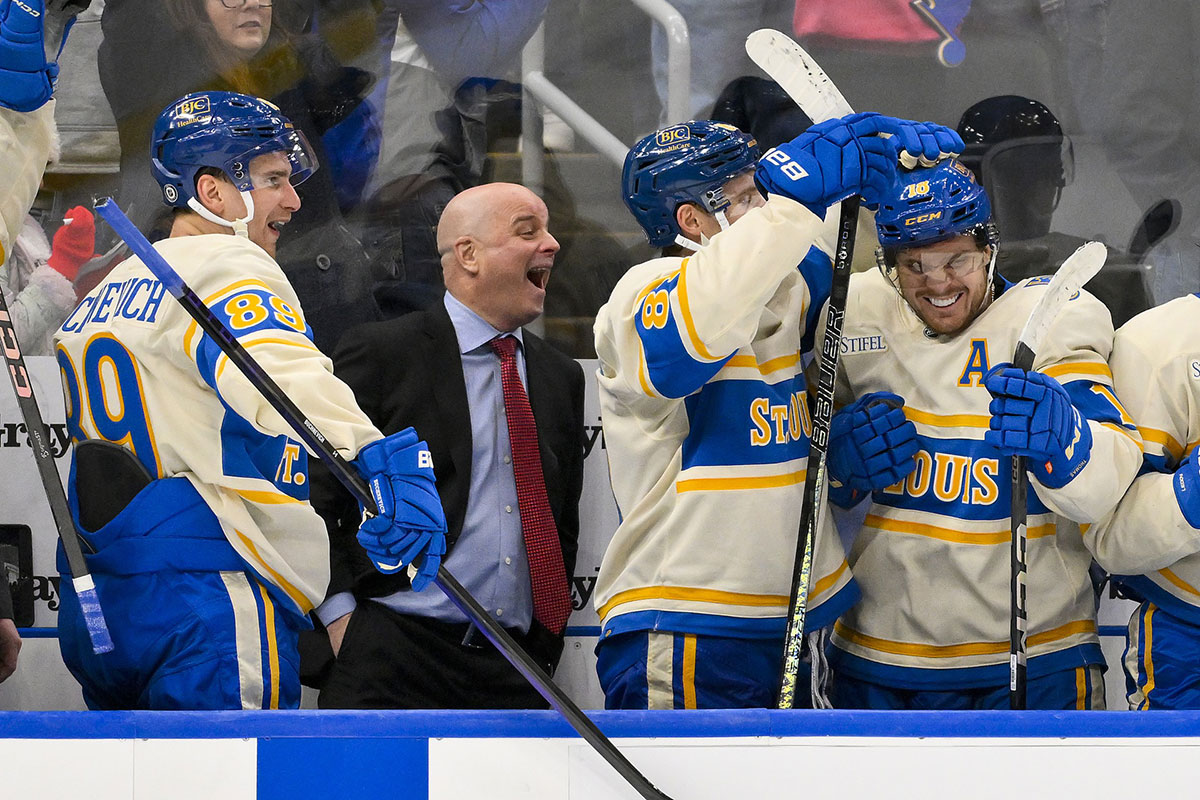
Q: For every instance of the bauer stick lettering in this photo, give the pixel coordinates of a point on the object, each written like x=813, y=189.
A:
x=807, y=84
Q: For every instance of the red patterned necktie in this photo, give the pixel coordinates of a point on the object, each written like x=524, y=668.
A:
x=551, y=602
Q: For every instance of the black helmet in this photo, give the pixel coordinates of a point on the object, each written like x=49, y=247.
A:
x=1018, y=151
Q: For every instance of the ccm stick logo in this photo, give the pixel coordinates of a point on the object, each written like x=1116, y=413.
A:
x=12, y=354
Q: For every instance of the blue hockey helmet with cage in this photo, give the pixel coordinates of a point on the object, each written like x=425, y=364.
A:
x=685, y=163
x=932, y=204
x=225, y=130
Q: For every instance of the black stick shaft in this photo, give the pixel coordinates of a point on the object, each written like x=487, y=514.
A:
x=815, y=477
x=354, y=483
x=1018, y=620
x=39, y=440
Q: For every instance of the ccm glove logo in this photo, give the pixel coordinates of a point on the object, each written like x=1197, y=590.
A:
x=786, y=165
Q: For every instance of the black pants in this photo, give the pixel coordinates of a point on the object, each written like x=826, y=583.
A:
x=391, y=660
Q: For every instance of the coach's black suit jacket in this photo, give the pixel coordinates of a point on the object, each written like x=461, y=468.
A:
x=408, y=372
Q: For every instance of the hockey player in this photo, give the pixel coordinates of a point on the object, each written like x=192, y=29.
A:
x=931, y=412
x=1152, y=539
x=703, y=403
x=32, y=34
x=31, y=37
x=208, y=570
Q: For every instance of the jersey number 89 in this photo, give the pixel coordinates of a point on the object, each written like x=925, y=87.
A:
x=104, y=399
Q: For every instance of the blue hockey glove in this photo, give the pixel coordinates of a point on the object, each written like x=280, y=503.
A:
x=1187, y=489
x=830, y=162
x=28, y=51
x=925, y=143
x=410, y=522
x=872, y=443
x=1032, y=416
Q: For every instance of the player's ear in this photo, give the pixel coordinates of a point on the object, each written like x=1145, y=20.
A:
x=210, y=194
x=466, y=252
x=688, y=217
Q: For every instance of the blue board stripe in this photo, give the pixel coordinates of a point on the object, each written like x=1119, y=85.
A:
x=321, y=768
x=358, y=727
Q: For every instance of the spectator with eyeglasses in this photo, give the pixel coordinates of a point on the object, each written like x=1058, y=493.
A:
x=157, y=50
x=930, y=415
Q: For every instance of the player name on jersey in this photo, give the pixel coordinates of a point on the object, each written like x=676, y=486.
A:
x=134, y=299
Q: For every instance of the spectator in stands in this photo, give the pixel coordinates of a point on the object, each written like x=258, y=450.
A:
x=156, y=50
x=37, y=280
x=439, y=86
x=716, y=32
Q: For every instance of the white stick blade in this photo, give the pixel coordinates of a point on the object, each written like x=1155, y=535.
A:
x=798, y=73
x=1078, y=269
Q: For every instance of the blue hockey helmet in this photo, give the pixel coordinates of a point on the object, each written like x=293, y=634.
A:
x=685, y=163
x=225, y=130
x=932, y=204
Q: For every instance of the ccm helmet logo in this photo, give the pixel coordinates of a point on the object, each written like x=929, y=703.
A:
x=917, y=220
x=197, y=105
x=674, y=135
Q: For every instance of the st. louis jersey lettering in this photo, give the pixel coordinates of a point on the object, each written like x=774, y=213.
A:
x=950, y=624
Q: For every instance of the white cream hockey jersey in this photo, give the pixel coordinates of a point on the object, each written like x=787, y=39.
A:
x=706, y=427
x=138, y=371
x=25, y=144
x=1147, y=542
x=932, y=555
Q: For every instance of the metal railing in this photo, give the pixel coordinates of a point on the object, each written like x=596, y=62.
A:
x=535, y=86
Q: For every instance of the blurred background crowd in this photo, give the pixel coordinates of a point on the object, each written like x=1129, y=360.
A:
x=1077, y=115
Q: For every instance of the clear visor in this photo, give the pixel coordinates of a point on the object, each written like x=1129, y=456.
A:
x=914, y=267
x=288, y=158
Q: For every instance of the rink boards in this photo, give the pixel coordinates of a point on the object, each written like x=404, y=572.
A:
x=694, y=755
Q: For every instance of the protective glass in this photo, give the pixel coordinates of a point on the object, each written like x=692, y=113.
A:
x=235, y=4
x=264, y=168
x=914, y=267
x=1024, y=179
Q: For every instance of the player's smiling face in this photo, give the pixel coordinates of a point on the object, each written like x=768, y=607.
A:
x=275, y=199
x=515, y=255
x=946, y=282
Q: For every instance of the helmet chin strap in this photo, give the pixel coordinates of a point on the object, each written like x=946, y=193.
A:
x=240, y=226
x=687, y=244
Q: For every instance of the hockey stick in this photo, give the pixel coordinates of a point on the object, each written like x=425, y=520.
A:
x=1077, y=270
x=354, y=483
x=806, y=83
x=1159, y=222
x=81, y=578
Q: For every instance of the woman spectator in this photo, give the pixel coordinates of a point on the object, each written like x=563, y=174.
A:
x=155, y=51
